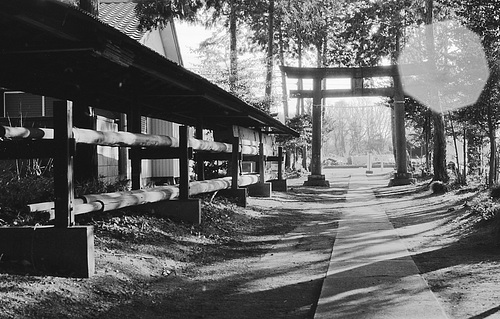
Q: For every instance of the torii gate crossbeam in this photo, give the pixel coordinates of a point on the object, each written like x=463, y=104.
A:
x=402, y=177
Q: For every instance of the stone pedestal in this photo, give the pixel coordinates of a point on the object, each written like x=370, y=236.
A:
x=50, y=250
x=240, y=194
x=317, y=180
x=278, y=185
x=187, y=210
x=259, y=190
x=401, y=179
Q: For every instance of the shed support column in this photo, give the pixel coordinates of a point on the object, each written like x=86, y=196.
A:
x=316, y=178
x=240, y=194
x=62, y=249
x=279, y=184
x=261, y=189
x=134, y=125
x=280, y=163
x=63, y=163
x=185, y=208
x=183, y=163
x=235, y=162
x=402, y=177
x=200, y=163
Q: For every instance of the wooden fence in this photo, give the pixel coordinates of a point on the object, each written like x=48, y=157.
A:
x=59, y=143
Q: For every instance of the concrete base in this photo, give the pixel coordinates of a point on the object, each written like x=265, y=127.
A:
x=317, y=180
x=401, y=179
x=66, y=252
x=278, y=185
x=260, y=190
x=369, y=172
x=179, y=210
x=240, y=194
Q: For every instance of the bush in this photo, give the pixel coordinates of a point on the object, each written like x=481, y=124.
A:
x=17, y=193
x=438, y=187
x=98, y=186
x=495, y=191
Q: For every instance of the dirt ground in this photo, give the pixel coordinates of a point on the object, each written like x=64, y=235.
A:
x=457, y=255
x=268, y=261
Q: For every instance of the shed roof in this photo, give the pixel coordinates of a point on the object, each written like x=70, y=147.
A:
x=52, y=48
x=121, y=15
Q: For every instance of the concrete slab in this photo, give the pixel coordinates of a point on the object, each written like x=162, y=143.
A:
x=65, y=252
x=188, y=210
x=260, y=190
x=379, y=297
x=371, y=273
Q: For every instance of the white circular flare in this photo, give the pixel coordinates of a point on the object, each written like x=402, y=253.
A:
x=447, y=73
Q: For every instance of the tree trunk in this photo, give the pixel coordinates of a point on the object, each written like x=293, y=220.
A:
x=461, y=180
x=493, y=148
x=270, y=55
x=300, y=100
x=90, y=6
x=283, y=75
x=439, y=158
x=465, y=155
x=427, y=141
x=233, y=58
x=304, y=158
x=493, y=163
x=287, y=158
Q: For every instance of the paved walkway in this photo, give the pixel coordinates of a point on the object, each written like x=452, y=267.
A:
x=371, y=274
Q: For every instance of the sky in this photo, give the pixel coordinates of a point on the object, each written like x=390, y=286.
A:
x=189, y=37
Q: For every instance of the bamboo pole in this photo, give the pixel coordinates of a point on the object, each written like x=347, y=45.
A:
x=116, y=200
x=126, y=139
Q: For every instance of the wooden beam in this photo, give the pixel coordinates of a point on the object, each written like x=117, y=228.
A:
x=388, y=91
x=117, y=200
x=361, y=72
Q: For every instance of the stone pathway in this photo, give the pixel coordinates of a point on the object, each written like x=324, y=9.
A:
x=371, y=273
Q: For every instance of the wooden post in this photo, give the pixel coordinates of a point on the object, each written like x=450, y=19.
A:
x=134, y=124
x=183, y=163
x=200, y=164
x=262, y=163
x=122, y=151
x=63, y=163
x=235, y=159
x=280, y=163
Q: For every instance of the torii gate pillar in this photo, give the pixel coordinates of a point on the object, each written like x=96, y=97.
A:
x=316, y=178
x=401, y=177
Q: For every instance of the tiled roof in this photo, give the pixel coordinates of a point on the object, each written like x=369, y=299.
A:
x=121, y=15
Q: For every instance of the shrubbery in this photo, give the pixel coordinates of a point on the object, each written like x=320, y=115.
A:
x=438, y=187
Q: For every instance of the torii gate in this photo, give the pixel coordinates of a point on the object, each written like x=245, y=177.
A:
x=402, y=177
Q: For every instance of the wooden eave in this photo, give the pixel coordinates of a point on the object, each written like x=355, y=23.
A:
x=54, y=49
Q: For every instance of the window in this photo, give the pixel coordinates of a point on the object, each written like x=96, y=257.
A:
x=24, y=105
